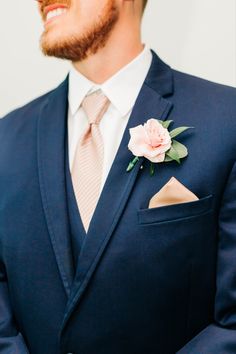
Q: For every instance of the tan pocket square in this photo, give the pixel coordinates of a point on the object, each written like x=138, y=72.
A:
x=173, y=192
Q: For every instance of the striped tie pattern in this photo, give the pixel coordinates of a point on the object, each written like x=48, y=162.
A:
x=88, y=162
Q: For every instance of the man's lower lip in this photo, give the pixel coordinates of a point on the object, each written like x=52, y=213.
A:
x=47, y=22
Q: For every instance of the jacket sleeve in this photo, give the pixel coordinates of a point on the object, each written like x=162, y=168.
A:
x=11, y=341
x=220, y=336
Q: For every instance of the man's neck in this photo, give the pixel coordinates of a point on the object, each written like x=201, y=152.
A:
x=122, y=47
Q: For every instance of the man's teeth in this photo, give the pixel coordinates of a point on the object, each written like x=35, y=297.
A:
x=55, y=13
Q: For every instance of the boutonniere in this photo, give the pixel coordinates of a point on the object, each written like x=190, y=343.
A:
x=156, y=143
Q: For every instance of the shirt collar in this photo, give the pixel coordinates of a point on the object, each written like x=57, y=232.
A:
x=122, y=89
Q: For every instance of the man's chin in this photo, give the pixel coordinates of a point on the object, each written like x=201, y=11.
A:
x=51, y=46
x=54, y=51
x=63, y=50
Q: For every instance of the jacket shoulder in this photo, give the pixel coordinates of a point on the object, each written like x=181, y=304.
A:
x=208, y=106
x=18, y=127
x=30, y=110
x=203, y=89
x=25, y=111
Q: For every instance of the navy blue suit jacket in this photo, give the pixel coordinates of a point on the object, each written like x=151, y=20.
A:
x=159, y=280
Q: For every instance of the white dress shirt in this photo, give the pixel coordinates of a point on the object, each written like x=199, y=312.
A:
x=122, y=89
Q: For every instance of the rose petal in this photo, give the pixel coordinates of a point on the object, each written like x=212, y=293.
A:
x=156, y=159
x=138, y=140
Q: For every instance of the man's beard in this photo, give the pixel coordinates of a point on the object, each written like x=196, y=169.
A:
x=77, y=47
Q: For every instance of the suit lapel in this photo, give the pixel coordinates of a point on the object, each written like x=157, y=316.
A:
x=51, y=165
x=119, y=183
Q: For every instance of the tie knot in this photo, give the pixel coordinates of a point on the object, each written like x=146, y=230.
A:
x=95, y=105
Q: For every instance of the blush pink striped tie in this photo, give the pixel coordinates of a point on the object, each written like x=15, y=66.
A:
x=88, y=163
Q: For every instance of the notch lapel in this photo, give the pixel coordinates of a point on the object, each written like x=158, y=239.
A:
x=119, y=183
x=51, y=166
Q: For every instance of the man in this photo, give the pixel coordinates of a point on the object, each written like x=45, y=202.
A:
x=90, y=261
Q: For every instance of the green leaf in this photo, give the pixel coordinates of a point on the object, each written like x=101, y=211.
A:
x=166, y=123
x=132, y=164
x=180, y=148
x=152, y=169
x=178, y=131
x=168, y=159
x=173, y=154
x=177, y=147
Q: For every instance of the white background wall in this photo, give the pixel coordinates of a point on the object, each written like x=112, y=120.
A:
x=195, y=36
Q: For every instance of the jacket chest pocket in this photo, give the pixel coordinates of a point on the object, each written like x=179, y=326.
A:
x=176, y=212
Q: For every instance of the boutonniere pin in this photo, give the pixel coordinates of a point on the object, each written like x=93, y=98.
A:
x=156, y=143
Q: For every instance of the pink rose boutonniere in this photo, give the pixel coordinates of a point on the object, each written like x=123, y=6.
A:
x=154, y=142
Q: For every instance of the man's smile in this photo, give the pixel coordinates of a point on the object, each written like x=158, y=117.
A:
x=54, y=11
